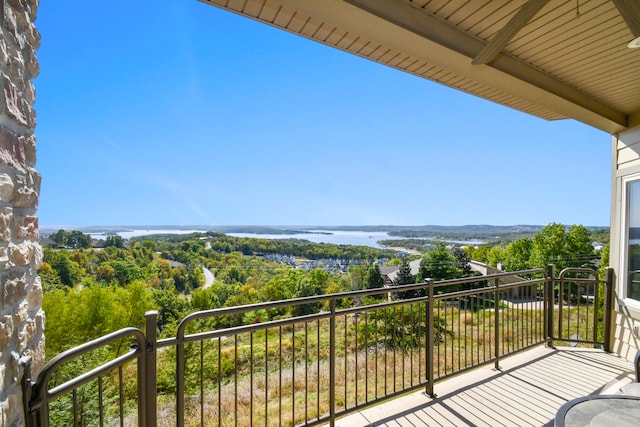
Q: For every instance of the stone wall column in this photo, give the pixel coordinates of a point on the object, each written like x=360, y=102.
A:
x=21, y=316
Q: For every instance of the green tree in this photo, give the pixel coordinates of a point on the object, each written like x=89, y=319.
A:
x=404, y=276
x=517, y=255
x=462, y=260
x=68, y=271
x=374, y=277
x=604, y=259
x=438, y=264
x=357, y=277
x=50, y=278
x=580, y=251
x=60, y=237
x=480, y=254
x=114, y=241
x=76, y=239
x=171, y=308
x=106, y=273
x=71, y=239
x=196, y=278
x=555, y=245
x=305, y=288
x=319, y=280
x=125, y=271
x=549, y=247
x=495, y=255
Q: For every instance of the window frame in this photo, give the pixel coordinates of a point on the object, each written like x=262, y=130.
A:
x=625, y=213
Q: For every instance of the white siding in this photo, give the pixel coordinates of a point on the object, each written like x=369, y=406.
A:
x=626, y=161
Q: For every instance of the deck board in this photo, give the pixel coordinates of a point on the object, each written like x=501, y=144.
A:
x=527, y=391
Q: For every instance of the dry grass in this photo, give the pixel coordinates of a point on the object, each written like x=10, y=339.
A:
x=285, y=377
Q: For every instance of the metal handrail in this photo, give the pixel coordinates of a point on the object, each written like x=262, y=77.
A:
x=379, y=323
x=41, y=394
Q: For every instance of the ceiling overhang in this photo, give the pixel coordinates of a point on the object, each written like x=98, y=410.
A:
x=519, y=59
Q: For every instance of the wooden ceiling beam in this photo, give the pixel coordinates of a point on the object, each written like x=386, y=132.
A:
x=504, y=36
x=630, y=11
x=420, y=22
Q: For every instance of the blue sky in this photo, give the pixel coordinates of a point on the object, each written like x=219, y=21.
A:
x=178, y=113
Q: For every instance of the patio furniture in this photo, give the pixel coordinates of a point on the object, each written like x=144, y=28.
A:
x=633, y=389
x=600, y=410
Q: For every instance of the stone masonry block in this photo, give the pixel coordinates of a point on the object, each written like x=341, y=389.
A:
x=21, y=313
x=14, y=23
x=31, y=63
x=25, y=227
x=29, y=145
x=34, y=295
x=15, y=409
x=29, y=92
x=26, y=334
x=21, y=318
x=40, y=320
x=25, y=197
x=21, y=255
x=38, y=256
x=27, y=187
x=12, y=150
x=14, y=289
x=4, y=50
x=4, y=415
x=37, y=354
x=4, y=257
x=6, y=188
x=15, y=66
x=14, y=105
x=6, y=217
x=6, y=331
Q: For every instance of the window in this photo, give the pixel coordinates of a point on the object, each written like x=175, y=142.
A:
x=631, y=252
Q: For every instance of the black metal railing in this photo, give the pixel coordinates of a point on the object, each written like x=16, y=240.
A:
x=308, y=361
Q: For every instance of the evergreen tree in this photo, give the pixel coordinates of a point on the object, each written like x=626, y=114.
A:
x=374, y=277
x=463, y=262
x=404, y=277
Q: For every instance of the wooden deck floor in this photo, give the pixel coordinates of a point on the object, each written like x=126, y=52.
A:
x=528, y=391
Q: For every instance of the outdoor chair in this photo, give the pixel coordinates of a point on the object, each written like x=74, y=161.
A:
x=633, y=389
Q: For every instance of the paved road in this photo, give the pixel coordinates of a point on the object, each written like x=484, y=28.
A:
x=209, y=278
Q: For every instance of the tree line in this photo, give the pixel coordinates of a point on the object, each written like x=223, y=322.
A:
x=90, y=292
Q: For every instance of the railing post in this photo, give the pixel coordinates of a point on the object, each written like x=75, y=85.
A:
x=496, y=321
x=608, y=310
x=430, y=340
x=549, y=304
x=27, y=392
x=180, y=383
x=332, y=364
x=150, y=375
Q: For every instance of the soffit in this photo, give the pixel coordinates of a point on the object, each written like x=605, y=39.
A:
x=567, y=59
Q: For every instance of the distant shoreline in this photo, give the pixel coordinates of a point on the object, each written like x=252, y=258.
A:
x=401, y=249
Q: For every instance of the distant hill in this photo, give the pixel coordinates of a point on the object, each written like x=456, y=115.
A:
x=435, y=232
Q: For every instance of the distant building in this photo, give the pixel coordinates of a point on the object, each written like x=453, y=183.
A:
x=45, y=241
x=392, y=274
x=175, y=264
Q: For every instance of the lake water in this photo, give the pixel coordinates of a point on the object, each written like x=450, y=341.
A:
x=359, y=238
x=127, y=234
x=336, y=237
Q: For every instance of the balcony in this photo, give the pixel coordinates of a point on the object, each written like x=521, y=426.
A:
x=527, y=391
x=477, y=350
